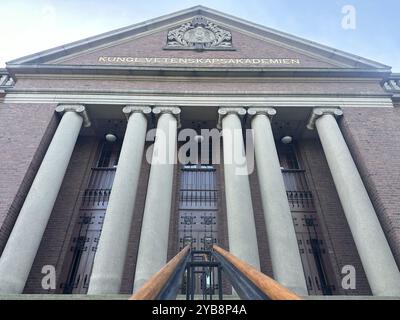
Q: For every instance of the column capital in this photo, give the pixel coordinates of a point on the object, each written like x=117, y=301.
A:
x=268, y=111
x=223, y=111
x=78, y=108
x=129, y=109
x=318, y=112
x=175, y=111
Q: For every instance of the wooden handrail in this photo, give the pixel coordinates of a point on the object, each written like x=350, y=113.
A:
x=153, y=286
x=273, y=289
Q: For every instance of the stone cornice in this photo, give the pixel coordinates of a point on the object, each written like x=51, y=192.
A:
x=79, y=109
x=204, y=99
x=318, y=112
x=15, y=69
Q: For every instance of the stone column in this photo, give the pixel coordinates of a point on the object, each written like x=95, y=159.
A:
x=376, y=256
x=241, y=225
x=110, y=257
x=283, y=247
x=23, y=243
x=153, y=246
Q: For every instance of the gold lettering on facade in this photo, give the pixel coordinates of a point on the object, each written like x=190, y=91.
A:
x=198, y=61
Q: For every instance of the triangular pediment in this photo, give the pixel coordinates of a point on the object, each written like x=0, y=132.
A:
x=151, y=49
x=198, y=37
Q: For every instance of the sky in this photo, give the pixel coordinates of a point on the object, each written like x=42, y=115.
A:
x=368, y=28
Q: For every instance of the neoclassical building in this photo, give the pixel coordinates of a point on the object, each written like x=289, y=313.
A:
x=317, y=208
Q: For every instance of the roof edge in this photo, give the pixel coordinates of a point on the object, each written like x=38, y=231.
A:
x=94, y=41
x=195, y=71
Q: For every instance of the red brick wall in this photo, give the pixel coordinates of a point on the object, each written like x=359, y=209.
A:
x=373, y=137
x=261, y=231
x=25, y=133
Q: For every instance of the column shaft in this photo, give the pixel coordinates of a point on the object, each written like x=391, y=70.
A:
x=286, y=262
x=23, y=243
x=241, y=224
x=153, y=246
x=110, y=256
x=376, y=256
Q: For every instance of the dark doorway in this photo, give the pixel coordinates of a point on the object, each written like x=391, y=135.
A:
x=317, y=268
x=91, y=216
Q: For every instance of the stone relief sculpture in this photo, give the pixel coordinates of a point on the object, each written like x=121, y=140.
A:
x=199, y=34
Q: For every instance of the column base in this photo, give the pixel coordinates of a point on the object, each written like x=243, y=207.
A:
x=104, y=285
x=10, y=285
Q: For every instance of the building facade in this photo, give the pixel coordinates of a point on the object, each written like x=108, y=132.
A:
x=315, y=206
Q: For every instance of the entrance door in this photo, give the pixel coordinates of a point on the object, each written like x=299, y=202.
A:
x=317, y=269
x=198, y=207
x=84, y=247
x=90, y=223
x=313, y=253
x=198, y=219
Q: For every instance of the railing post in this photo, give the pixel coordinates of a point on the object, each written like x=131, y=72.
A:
x=187, y=282
x=220, y=293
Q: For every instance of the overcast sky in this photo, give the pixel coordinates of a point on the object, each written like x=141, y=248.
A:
x=29, y=26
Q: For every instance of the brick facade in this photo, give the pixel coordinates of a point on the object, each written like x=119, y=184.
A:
x=373, y=137
x=25, y=133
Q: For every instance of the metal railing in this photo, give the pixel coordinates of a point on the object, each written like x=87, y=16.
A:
x=248, y=283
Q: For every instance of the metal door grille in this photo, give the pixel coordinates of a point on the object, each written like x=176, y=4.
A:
x=198, y=206
x=312, y=249
x=91, y=216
